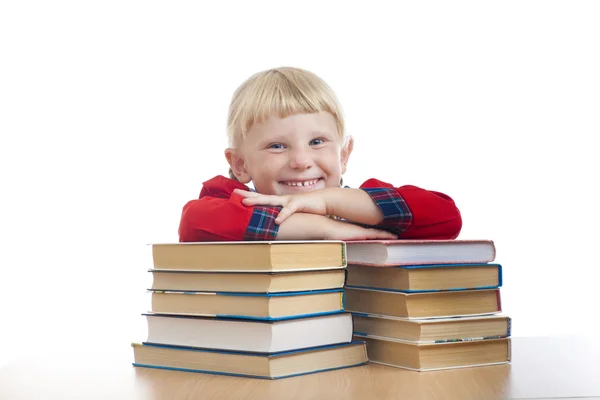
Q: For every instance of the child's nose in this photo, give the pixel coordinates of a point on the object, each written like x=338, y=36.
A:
x=300, y=159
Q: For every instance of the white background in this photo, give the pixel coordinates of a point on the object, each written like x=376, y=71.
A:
x=113, y=113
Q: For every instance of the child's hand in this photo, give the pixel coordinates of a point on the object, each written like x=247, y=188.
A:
x=310, y=202
x=339, y=230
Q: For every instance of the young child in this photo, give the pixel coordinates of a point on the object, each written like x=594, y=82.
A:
x=286, y=136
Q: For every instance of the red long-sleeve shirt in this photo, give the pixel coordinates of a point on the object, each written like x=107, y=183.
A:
x=409, y=211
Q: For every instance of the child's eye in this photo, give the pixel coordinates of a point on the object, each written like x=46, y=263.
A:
x=316, y=142
x=276, y=146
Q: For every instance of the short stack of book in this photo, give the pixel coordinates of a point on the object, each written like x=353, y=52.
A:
x=428, y=304
x=256, y=309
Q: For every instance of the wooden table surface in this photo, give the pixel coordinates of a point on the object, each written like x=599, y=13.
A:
x=549, y=367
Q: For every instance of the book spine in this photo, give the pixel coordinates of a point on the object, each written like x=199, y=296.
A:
x=499, y=275
x=284, y=318
x=498, y=300
x=457, y=289
x=345, y=277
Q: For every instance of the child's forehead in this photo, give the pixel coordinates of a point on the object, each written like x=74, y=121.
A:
x=322, y=122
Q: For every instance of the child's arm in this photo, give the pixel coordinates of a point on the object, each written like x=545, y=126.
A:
x=302, y=226
x=219, y=215
x=409, y=211
x=215, y=219
x=352, y=204
x=415, y=213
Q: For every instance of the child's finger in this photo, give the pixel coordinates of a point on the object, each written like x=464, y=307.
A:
x=246, y=193
x=379, y=234
x=250, y=201
x=284, y=214
x=387, y=235
x=263, y=201
x=254, y=200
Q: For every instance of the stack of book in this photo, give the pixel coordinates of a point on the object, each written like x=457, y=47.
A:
x=428, y=305
x=256, y=309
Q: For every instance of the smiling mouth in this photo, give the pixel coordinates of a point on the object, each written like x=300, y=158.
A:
x=308, y=182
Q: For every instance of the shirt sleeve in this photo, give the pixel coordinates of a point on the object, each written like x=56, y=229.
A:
x=219, y=215
x=262, y=224
x=396, y=214
x=415, y=213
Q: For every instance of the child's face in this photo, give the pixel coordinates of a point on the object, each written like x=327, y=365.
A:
x=296, y=154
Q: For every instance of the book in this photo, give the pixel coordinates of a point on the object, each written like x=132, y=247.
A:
x=423, y=304
x=432, y=330
x=418, y=278
x=266, y=306
x=256, y=282
x=249, y=335
x=436, y=356
x=257, y=256
x=415, y=252
x=266, y=366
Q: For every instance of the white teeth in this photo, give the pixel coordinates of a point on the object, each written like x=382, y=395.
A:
x=305, y=183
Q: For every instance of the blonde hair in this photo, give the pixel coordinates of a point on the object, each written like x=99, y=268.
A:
x=283, y=92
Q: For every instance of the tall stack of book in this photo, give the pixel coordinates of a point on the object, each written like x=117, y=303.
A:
x=256, y=309
x=428, y=305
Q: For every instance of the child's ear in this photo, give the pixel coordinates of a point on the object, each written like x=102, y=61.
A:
x=237, y=164
x=346, y=151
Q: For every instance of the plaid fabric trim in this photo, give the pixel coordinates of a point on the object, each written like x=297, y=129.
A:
x=262, y=224
x=396, y=214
